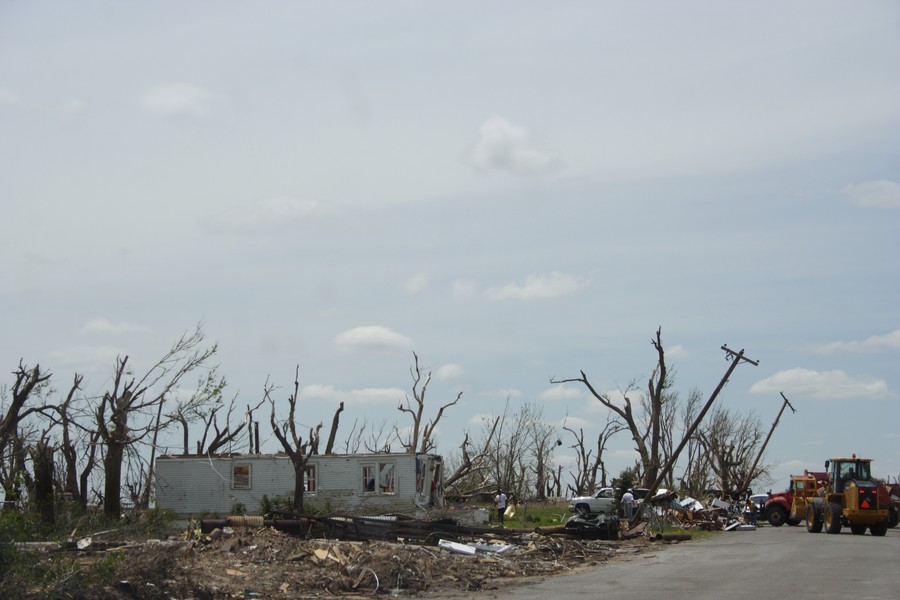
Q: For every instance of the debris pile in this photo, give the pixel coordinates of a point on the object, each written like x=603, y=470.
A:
x=265, y=562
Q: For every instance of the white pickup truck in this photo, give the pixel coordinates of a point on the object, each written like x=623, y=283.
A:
x=603, y=501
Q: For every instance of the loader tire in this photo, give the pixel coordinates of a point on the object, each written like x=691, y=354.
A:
x=893, y=516
x=833, y=518
x=813, y=519
x=777, y=516
x=879, y=528
x=858, y=529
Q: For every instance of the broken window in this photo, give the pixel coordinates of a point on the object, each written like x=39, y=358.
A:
x=240, y=477
x=368, y=478
x=386, y=478
x=309, y=482
x=378, y=478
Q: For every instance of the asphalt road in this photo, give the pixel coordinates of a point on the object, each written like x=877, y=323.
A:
x=774, y=563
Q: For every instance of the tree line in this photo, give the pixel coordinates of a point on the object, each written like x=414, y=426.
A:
x=101, y=449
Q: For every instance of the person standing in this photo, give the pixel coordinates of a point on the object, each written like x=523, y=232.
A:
x=628, y=504
x=500, y=499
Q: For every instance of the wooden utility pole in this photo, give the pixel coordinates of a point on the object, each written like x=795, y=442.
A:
x=749, y=476
x=735, y=358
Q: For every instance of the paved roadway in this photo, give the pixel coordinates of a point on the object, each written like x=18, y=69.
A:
x=771, y=563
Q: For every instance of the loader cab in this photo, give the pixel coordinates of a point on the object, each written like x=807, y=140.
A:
x=842, y=471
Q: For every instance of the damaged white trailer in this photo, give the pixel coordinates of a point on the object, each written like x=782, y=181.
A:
x=340, y=483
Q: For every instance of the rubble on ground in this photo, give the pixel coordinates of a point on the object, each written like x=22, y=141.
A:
x=265, y=562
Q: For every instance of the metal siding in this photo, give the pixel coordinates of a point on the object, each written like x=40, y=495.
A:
x=193, y=485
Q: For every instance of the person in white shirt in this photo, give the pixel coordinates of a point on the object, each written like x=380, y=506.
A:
x=500, y=499
x=628, y=504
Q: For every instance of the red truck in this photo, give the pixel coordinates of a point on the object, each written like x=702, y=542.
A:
x=893, y=491
x=777, y=509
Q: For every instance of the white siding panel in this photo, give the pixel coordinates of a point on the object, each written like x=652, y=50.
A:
x=194, y=485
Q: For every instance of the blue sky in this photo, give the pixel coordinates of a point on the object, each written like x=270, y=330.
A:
x=514, y=190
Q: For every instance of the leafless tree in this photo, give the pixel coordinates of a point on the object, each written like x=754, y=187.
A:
x=645, y=423
x=420, y=437
x=732, y=441
x=293, y=444
x=335, y=421
x=130, y=412
x=590, y=468
x=28, y=384
x=470, y=470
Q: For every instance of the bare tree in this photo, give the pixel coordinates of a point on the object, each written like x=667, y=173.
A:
x=420, y=438
x=129, y=412
x=645, y=424
x=28, y=384
x=588, y=464
x=293, y=444
x=731, y=442
x=329, y=447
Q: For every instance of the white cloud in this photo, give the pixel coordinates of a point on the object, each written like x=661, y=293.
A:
x=360, y=397
x=876, y=194
x=176, y=100
x=676, y=351
x=560, y=393
x=503, y=146
x=575, y=423
x=536, y=287
x=416, y=284
x=450, y=372
x=870, y=344
x=86, y=359
x=502, y=394
x=268, y=215
x=107, y=326
x=481, y=418
x=372, y=337
x=616, y=397
x=9, y=98
x=825, y=385
x=464, y=289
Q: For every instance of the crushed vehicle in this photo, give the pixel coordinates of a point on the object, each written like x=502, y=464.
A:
x=851, y=497
x=593, y=526
x=777, y=510
x=602, y=502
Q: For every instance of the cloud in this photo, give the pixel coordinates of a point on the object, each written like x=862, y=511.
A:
x=268, y=215
x=502, y=394
x=875, y=194
x=176, y=100
x=8, y=98
x=503, y=146
x=372, y=337
x=560, y=392
x=450, y=372
x=616, y=397
x=871, y=344
x=416, y=284
x=676, y=351
x=86, y=359
x=825, y=385
x=539, y=287
x=575, y=423
x=106, y=326
x=361, y=397
x=464, y=289
x=481, y=418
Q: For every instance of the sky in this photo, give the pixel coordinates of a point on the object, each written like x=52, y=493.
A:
x=515, y=191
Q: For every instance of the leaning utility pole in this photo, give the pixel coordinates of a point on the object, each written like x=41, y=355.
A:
x=749, y=476
x=735, y=358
